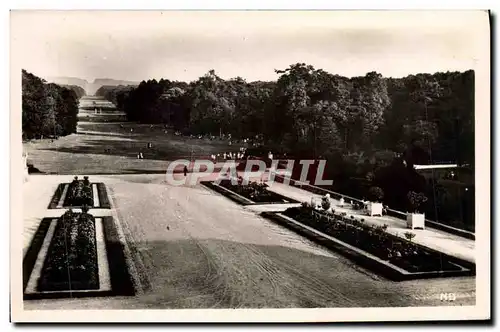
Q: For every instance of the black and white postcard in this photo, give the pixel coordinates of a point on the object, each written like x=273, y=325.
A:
x=250, y=166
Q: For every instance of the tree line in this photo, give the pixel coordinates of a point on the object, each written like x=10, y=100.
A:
x=309, y=111
x=78, y=90
x=370, y=129
x=48, y=109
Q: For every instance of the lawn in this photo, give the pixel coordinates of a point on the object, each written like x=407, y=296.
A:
x=112, y=147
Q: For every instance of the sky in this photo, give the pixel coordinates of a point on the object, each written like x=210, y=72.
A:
x=138, y=45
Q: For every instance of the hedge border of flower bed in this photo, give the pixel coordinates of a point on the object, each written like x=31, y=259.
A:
x=121, y=278
x=57, y=196
x=31, y=254
x=367, y=260
x=102, y=193
x=241, y=199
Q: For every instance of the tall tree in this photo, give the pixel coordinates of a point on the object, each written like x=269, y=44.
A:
x=48, y=109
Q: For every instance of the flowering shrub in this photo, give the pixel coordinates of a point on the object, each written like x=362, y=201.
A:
x=409, y=235
x=416, y=200
x=376, y=194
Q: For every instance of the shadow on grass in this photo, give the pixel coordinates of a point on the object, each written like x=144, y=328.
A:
x=106, y=134
x=100, y=119
x=33, y=170
x=117, y=147
x=177, y=170
x=151, y=133
x=147, y=171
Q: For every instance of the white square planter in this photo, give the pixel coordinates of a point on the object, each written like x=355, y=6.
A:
x=415, y=220
x=374, y=209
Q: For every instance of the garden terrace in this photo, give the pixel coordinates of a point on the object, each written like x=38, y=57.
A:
x=357, y=202
x=76, y=255
x=371, y=246
x=248, y=194
x=80, y=193
x=176, y=228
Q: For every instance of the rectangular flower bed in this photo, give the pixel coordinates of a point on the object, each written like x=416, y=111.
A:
x=372, y=247
x=79, y=193
x=71, y=260
x=76, y=255
x=248, y=194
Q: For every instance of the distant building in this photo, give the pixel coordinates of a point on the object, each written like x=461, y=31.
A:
x=444, y=166
x=447, y=173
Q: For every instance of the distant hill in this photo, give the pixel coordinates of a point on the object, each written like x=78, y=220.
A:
x=93, y=87
x=68, y=81
x=89, y=87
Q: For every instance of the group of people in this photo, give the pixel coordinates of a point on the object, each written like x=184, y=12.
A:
x=235, y=155
x=227, y=156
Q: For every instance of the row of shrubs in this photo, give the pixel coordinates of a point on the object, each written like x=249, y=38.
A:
x=372, y=239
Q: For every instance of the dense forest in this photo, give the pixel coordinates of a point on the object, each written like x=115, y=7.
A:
x=48, y=109
x=309, y=111
x=370, y=129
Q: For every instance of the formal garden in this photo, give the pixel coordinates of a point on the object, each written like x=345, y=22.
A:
x=78, y=254
x=371, y=131
x=395, y=256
